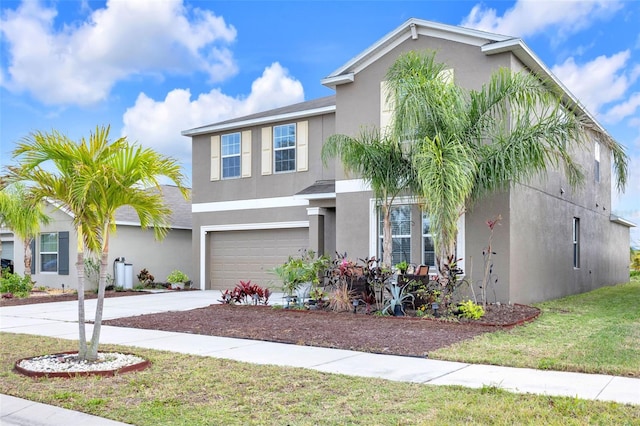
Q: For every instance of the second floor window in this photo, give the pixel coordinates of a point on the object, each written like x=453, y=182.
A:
x=230, y=150
x=284, y=148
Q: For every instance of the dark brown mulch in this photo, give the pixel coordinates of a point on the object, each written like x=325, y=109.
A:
x=407, y=336
x=41, y=297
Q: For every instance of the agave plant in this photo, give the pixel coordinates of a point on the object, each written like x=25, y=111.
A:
x=398, y=297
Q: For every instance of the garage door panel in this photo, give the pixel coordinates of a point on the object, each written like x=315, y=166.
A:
x=250, y=255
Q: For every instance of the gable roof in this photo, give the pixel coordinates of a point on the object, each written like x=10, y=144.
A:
x=290, y=112
x=412, y=28
x=180, y=209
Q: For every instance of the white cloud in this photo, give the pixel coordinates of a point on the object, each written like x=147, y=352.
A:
x=597, y=82
x=529, y=17
x=126, y=38
x=623, y=110
x=158, y=124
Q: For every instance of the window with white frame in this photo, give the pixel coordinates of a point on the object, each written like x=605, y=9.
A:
x=400, y=217
x=230, y=155
x=49, y=252
x=576, y=242
x=428, y=248
x=284, y=148
x=597, y=162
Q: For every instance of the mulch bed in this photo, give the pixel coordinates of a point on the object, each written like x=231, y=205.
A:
x=408, y=336
x=42, y=297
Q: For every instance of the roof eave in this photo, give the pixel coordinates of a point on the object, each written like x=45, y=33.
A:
x=258, y=121
x=621, y=221
x=531, y=60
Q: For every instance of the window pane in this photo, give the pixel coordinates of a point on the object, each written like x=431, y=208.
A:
x=49, y=262
x=400, y=217
x=230, y=167
x=401, y=250
x=231, y=144
x=49, y=242
x=284, y=136
x=285, y=160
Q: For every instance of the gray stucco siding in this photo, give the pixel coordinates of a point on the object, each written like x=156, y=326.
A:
x=259, y=185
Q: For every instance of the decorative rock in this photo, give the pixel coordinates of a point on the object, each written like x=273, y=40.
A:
x=68, y=365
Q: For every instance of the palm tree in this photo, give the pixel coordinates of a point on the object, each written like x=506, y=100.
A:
x=470, y=143
x=92, y=179
x=382, y=164
x=23, y=216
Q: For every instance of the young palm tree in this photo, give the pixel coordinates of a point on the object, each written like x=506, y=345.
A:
x=92, y=179
x=382, y=164
x=470, y=143
x=23, y=216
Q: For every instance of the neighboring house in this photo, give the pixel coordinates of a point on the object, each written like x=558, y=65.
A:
x=261, y=192
x=55, y=249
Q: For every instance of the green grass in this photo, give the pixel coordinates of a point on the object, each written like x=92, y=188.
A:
x=595, y=332
x=191, y=390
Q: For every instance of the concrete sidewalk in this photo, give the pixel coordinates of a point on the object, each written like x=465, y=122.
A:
x=60, y=320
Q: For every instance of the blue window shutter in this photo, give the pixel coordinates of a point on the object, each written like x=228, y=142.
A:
x=34, y=255
x=63, y=253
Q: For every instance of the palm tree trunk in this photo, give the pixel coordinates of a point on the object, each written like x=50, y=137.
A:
x=387, y=242
x=28, y=256
x=102, y=283
x=82, y=334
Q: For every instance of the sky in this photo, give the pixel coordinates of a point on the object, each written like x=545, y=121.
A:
x=153, y=68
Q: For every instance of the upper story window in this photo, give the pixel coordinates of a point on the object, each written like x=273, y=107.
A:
x=596, y=169
x=49, y=252
x=284, y=148
x=231, y=155
x=230, y=150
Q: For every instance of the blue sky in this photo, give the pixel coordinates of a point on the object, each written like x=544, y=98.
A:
x=153, y=68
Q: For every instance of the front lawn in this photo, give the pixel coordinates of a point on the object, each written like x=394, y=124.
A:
x=192, y=390
x=595, y=332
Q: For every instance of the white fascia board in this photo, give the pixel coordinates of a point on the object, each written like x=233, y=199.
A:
x=137, y=225
x=404, y=32
x=323, y=196
x=259, y=121
x=257, y=203
x=332, y=82
x=352, y=185
x=531, y=60
x=621, y=221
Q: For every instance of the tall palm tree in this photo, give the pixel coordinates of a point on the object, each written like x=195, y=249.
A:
x=470, y=143
x=382, y=164
x=20, y=212
x=92, y=179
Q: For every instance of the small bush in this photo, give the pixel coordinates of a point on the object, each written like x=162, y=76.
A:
x=246, y=294
x=15, y=284
x=177, y=276
x=470, y=310
x=145, y=278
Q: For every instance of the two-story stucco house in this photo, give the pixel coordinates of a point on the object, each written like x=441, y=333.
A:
x=261, y=193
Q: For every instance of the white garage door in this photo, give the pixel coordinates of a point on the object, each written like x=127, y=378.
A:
x=249, y=255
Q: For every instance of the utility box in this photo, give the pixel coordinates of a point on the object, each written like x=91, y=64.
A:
x=128, y=276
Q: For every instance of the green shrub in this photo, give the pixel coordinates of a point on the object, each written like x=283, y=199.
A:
x=177, y=276
x=16, y=285
x=470, y=310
